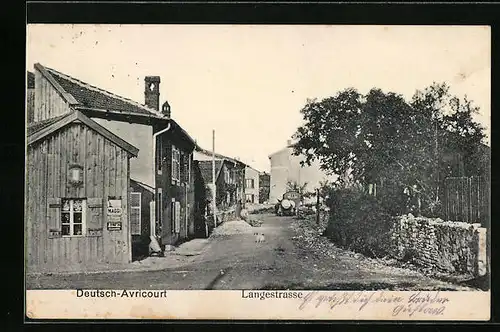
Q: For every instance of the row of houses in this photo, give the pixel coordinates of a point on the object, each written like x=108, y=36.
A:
x=105, y=174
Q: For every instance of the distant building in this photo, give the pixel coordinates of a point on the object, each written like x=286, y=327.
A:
x=285, y=168
x=229, y=175
x=264, y=185
x=251, y=185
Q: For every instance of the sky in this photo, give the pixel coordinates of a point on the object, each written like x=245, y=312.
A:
x=248, y=83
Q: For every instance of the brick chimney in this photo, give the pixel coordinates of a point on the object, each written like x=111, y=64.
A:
x=152, y=92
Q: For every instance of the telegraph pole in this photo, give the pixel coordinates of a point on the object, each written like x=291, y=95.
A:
x=214, y=205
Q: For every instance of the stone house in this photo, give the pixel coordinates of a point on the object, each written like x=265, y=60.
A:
x=286, y=167
x=252, y=185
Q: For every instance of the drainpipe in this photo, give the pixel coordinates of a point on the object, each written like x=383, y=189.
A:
x=155, y=135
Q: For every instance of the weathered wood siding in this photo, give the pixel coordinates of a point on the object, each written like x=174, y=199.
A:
x=105, y=173
x=48, y=101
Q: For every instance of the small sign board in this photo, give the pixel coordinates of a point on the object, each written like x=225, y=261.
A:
x=114, y=207
x=114, y=226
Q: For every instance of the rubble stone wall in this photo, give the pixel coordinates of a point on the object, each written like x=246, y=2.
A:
x=453, y=247
x=437, y=245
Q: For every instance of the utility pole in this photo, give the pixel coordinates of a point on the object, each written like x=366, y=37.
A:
x=214, y=192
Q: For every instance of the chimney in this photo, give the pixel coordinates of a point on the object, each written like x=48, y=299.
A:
x=165, y=109
x=289, y=142
x=152, y=92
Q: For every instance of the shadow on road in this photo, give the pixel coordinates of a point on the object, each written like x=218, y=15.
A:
x=217, y=278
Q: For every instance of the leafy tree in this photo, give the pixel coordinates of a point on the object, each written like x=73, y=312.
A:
x=402, y=146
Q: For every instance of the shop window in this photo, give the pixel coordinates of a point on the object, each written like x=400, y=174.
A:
x=73, y=215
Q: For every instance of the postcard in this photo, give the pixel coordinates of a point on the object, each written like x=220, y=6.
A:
x=258, y=172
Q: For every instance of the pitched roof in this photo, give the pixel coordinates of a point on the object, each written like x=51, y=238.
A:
x=85, y=95
x=282, y=150
x=219, y=156
x=39, y=125
x=38, y=130
x=143, y=185
x=206, y=169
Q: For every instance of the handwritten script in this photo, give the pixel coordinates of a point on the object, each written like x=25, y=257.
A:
x=400, y=304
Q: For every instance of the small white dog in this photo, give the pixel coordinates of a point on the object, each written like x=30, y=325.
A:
x=259, y=238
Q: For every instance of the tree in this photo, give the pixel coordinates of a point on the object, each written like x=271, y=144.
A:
x=381, y=138
x=294, y=186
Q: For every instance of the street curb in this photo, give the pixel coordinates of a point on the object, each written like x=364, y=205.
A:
x=36, y=274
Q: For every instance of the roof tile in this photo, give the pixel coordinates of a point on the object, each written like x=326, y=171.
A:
x=93, y=97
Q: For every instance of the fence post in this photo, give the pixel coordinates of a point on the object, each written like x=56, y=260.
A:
x=317, y=206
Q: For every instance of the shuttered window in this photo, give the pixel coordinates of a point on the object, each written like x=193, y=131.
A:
x=172, y=216
x=176, y=164
x=135, y=213
x=73, y=213
x=95, y=216
x=74, y=217
x=175, y=216
x=185, y=168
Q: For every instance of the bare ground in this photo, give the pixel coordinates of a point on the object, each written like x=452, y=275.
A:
x=285, y=260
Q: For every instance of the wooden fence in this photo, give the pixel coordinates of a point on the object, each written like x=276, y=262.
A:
x=467, y=199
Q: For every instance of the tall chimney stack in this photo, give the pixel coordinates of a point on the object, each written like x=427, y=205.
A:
x=152, y=92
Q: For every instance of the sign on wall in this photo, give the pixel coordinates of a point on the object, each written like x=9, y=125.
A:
x=114, y=213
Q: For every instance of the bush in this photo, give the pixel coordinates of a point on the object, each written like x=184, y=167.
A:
x=359, y=222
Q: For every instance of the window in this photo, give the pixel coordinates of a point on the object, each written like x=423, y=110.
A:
x=73, y=217
x=250, y=183
x=176, y=164
x=175, y=216
x=135, y=213
x=249, y=198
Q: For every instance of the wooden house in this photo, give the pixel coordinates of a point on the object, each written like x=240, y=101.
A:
x=152, y=131
x=77, y=194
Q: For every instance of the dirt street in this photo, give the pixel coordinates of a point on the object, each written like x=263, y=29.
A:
x=238, y=262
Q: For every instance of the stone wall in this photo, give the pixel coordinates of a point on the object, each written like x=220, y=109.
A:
x=453, y=247
x=440, y=246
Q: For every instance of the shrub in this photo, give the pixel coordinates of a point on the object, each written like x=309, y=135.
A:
x=359, y=222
